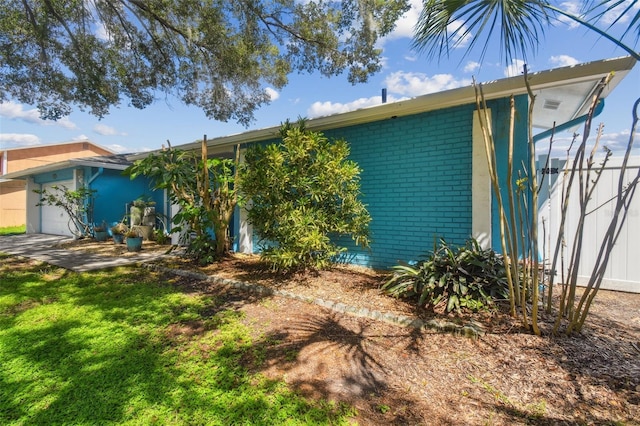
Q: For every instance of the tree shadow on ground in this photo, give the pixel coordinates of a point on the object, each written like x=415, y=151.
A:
x=329, y=356
x=102, y=352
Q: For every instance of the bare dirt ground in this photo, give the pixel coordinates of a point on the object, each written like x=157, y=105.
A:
x=405, y=376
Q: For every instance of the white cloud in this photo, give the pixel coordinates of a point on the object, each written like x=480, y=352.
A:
x=411, y=58
x=273, y=94
x=80, y=137
x=563, y=60
x=616, y=141
x=415, y=84
x=471, y=66
x=403, y=84
x=406, y=24
x=616, y=13
x=101, y=32
x=15, y=111
x=19, y=139
x=104, y=130
x=462, y=38
x=320, y=109
x=118, y=148
x=573, y=8
x=516, y=68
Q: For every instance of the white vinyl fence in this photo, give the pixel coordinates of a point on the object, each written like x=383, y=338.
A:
x=623, y=271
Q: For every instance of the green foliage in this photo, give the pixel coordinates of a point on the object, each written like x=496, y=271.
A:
x=105, y=348
x=12, y=230
x=205, y=192
x=463, y=277
x=303, y=192
x=202, y=249
x=448, y=24
x=219, y=56
x=78, y=204
x=161, y=236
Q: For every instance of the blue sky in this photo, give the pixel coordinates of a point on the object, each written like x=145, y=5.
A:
x=406, y=73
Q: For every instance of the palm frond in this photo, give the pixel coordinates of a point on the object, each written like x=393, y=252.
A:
x=446, y=25
x=624, y=9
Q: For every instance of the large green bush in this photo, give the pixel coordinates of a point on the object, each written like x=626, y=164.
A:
x=460, y=277
x=303, y=193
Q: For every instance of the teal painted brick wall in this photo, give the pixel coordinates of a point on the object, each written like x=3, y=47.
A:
x=416, y=182
x=416, y=179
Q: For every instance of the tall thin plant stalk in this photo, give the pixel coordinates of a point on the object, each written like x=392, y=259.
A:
x=623, y=199
x=487, y=136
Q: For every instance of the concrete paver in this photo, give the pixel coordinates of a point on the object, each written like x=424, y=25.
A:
x=45, y=248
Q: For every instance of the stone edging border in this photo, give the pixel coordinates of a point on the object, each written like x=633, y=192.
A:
x=471, y=330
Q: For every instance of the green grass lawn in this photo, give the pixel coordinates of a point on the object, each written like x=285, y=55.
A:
x=10, y=230
x=98, y=348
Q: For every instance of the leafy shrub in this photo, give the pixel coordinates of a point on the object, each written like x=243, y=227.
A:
x=303, y=193
x=202, y=249
x=463, y=277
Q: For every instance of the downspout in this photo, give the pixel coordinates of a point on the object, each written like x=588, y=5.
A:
x=569, y=124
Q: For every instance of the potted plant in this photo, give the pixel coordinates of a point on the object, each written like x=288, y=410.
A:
x=100, y=232
x=118, y=231
x=134, y=240
x=142, y=215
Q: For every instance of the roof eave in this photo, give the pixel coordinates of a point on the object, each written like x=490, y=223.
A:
x=53, y=167
x=461, y=96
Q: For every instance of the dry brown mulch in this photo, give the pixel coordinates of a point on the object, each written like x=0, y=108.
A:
x=400, y=375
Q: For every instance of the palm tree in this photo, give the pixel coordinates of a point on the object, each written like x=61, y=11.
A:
x=446, y=24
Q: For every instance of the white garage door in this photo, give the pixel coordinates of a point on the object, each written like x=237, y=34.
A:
x=55, y=220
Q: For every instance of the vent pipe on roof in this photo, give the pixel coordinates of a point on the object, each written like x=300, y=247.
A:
x=384, y=96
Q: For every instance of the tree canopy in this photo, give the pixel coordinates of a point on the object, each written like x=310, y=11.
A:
x=219, y=55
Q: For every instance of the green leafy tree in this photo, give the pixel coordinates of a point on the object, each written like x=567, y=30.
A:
x=218, y=55
x=203, y=188
x=446, y=24
x=303, y=194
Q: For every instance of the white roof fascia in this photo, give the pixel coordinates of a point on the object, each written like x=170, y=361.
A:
x=60, y=166
x=496, y=89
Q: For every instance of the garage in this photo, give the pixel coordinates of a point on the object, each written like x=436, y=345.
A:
x=54, y=220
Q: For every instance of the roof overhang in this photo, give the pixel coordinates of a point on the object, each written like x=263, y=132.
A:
x=67, y=164
x=562, y=94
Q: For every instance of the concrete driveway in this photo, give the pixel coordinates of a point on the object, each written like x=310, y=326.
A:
x=45, y=248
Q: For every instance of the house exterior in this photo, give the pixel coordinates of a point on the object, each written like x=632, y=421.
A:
x=424, y=169
x=13, y=192
x=115, y=192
